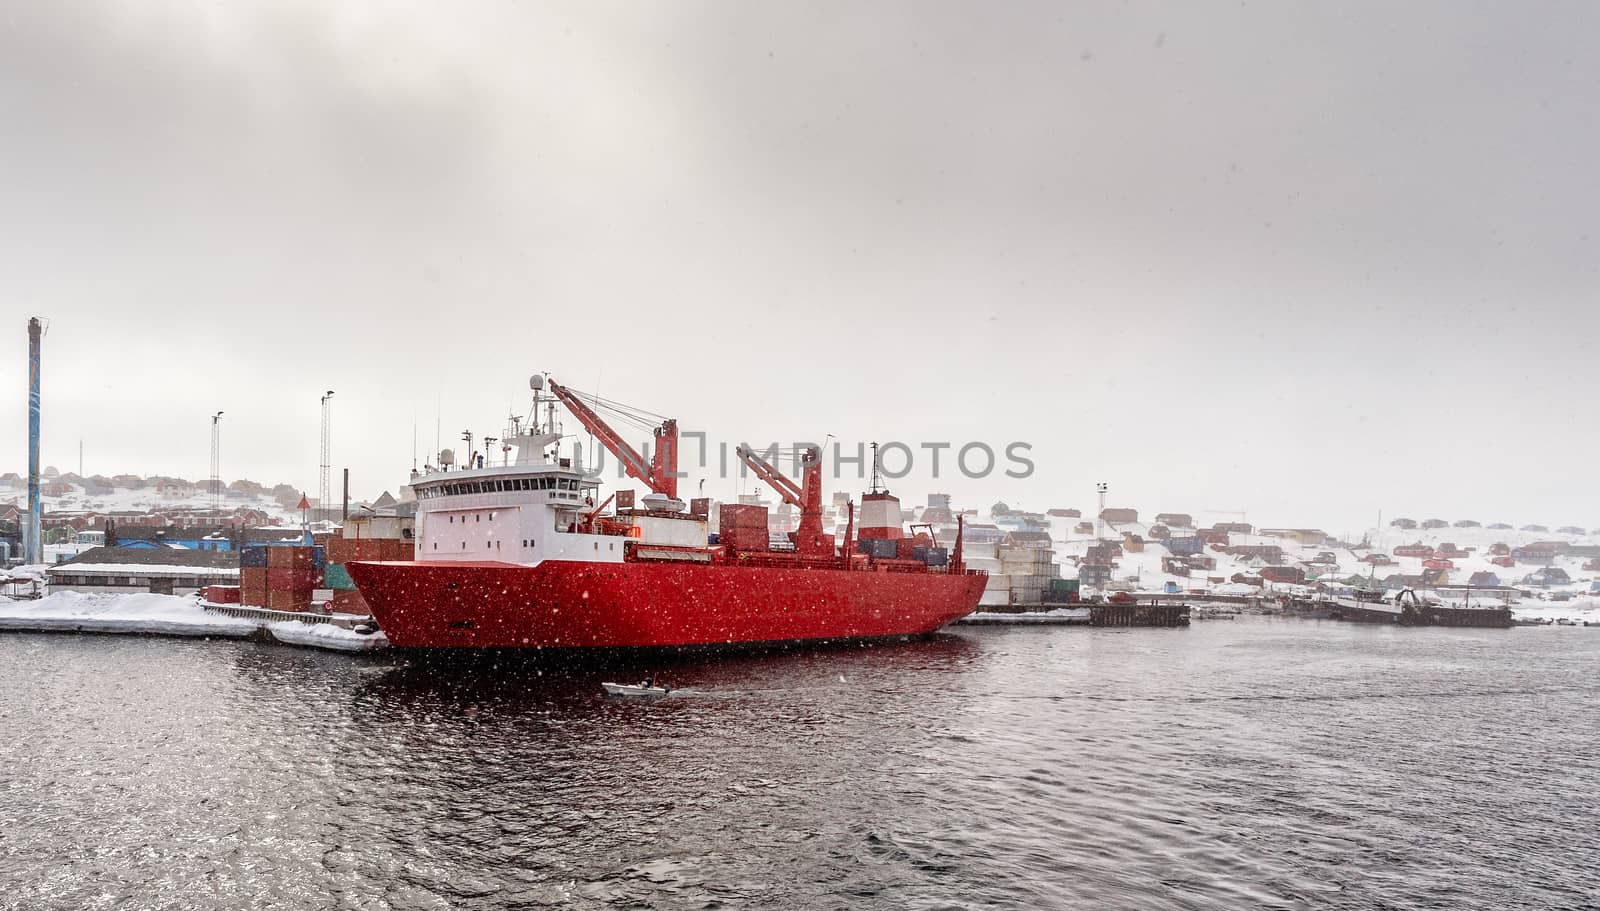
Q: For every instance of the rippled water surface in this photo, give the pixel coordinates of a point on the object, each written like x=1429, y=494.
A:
x=1255, y=763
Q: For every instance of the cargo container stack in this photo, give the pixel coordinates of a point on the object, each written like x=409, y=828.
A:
x=1027, y=572
x=743, y=527
x=279, y=577
x=253, y=577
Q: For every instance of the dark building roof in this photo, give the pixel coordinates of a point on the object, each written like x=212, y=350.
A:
x=156, y=556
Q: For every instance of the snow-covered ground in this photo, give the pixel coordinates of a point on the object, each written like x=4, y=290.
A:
x=326, y=635
x=167, y=615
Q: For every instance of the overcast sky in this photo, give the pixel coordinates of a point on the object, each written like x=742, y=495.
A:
x=1310, y=261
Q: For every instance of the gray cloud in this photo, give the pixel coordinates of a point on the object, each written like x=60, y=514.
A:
x=1311, y=260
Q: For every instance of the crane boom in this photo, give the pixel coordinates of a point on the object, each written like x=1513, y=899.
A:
x=787, y=490
x=806, y=496
x=660, y=474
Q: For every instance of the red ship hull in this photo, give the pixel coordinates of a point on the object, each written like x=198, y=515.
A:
x=568, y=605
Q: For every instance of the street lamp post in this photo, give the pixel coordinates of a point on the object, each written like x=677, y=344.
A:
x=327, y=445
x=1100, y=517
x=216, y=464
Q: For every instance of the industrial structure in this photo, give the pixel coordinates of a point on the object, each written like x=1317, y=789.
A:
x=33, y=542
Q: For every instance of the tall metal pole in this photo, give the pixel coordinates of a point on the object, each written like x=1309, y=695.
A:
x=216, y=464
x=327, y=443
x=1100, y=517
x=34, y=544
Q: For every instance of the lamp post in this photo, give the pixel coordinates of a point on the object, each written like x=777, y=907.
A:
x=1100, y=517
x=327, y=443
x=216, y=464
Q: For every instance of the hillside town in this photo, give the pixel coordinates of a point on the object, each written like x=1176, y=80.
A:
x=168, y=535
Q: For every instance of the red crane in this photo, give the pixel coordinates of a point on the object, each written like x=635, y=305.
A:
x=810, y=540
x=660, y=474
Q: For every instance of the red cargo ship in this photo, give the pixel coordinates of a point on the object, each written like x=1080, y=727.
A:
x=518, y=556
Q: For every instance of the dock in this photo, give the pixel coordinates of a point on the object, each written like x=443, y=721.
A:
x=1131, y=614
x=145, y=614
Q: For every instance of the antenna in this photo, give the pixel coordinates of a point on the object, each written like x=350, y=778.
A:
x=877, y=476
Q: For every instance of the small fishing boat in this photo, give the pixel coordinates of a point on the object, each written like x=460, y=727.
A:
x=635, y=689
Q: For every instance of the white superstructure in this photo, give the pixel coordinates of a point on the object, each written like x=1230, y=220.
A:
x=536, y=507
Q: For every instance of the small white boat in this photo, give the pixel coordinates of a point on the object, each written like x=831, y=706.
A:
x=635, y=689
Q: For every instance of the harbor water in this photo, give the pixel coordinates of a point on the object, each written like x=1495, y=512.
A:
x=1256, y=763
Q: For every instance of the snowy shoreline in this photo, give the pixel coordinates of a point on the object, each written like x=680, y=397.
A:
x=169, y=615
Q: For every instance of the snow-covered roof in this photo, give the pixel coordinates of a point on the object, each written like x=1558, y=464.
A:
x=142, y=569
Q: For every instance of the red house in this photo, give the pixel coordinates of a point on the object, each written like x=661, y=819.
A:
x=1292, y=574
x=1414, y=550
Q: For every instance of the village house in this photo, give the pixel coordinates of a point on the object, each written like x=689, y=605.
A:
x=1291, y=574
x=1182, y=546
x=1547, y=576
x=1105, y=552
x=1065, y=514
x=1094, y=575
x=1234, y=528
x=1414, y=550
x=1540, y=553
x=1119, y=515
x=1033, y=540
x=1307, y=536
x=1175, y=519
x=1269, y=553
